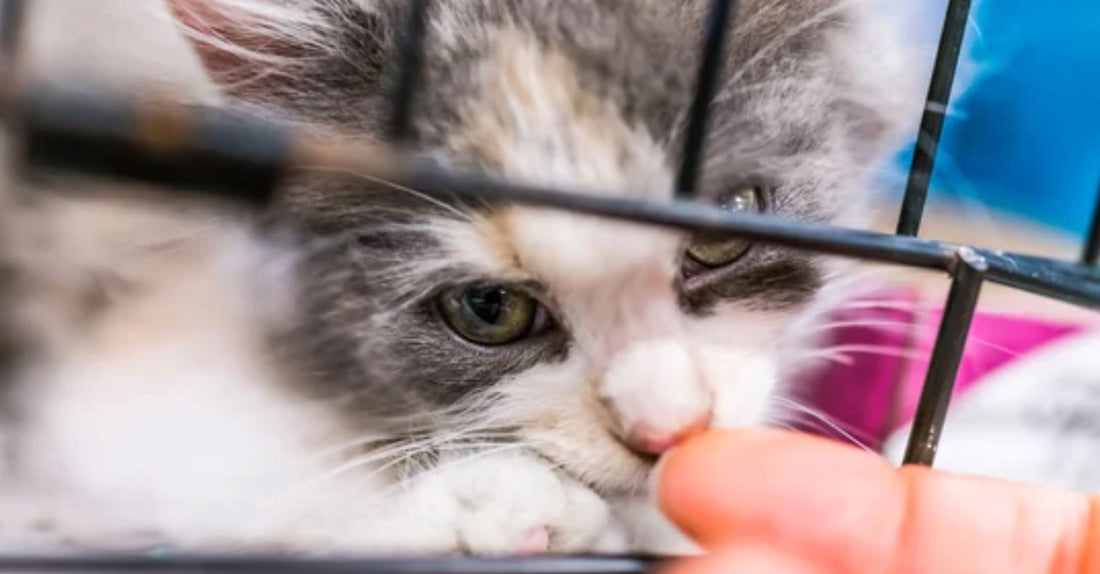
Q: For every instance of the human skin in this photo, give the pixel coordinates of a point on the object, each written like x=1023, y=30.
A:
x=772, y=502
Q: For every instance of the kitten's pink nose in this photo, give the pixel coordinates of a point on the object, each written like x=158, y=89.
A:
x=646, y=439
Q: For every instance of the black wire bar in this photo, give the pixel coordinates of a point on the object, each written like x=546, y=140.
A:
x=233, y=157
x=935, y=113
x=962, y=300
x=718, y=24
x=288, y=565
x=13, y=16
x=245, y=159
x=411, y=52
x=1090, y=255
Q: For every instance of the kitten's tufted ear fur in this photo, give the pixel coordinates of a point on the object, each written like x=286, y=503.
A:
x=273, y=51
x=885, y=69
x=863, y=56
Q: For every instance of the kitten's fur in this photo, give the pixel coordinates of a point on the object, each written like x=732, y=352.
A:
x=212, y=387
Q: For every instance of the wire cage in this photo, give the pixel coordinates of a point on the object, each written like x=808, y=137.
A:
x=244, y=159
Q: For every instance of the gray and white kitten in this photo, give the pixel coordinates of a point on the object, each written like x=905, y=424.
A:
x=429, y=375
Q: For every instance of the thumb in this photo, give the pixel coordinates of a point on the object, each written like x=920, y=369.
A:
x=851, y=512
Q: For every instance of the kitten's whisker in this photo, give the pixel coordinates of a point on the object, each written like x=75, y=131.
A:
x=810, y=423
x=368, y=440
x=450, y=464
x=328, y=475
x=343, y=447
x=823, y=419
x=463, y=216
x=823, y=355
x=901, y=326
x=880, y=350
x=401, y=450
x=924, y=307
x=884, y=324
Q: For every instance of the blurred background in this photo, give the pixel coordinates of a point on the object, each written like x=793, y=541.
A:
x=1022, y=139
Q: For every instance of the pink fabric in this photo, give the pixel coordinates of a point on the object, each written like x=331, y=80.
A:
x=888, y=339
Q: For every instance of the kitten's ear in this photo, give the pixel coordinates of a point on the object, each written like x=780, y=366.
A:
x=234, y=42
x=252, y=48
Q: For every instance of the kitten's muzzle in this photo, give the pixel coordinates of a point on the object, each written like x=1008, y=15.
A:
x=655, y=394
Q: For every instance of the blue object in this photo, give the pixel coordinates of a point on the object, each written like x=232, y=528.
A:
x=1025, y=137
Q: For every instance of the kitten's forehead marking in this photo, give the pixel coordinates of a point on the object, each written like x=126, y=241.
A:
x=535, y=120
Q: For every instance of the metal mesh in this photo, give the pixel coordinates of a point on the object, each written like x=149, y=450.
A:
x=245, y=159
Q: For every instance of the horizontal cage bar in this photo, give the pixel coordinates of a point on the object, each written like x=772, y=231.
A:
x=289, y=565
x=246, y=158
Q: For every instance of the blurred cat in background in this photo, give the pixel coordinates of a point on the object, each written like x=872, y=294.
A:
x=402, y=373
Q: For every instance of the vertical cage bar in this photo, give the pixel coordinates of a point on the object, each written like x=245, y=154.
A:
x=1090, y=255
x=411, y=62
x=13, y=16
x=962, y=301
x=935, y=113
x=719, y=21
x=13, y=25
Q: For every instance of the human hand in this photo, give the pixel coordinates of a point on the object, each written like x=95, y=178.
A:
x=767, y=502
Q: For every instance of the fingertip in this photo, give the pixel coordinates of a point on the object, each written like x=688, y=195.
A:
x=854, y=512
x=717, y=481
x=688, y=468
x=748, y=558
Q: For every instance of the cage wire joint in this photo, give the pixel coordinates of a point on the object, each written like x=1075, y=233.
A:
x=968, y=271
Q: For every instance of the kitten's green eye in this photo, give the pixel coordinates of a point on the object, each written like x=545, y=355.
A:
x=718, y=253
x=491, y=314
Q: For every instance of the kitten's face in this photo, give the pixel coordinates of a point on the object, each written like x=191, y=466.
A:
x=598, y=343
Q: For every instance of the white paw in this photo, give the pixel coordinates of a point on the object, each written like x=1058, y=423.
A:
x=518, y=504
x=45, y=524
x=498, y=504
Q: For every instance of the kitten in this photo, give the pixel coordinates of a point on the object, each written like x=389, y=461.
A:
x=414, y=374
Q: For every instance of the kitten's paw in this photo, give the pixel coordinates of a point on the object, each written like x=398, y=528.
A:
x=34, y=524
x=518, y=504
